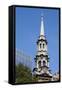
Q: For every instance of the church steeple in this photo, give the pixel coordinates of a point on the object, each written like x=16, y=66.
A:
x=42, y=57
x=42, y=27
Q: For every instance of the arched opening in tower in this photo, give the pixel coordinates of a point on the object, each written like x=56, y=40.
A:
x=44, y=63
x=39, y=64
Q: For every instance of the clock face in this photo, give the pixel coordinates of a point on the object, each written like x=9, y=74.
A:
x=45, y=70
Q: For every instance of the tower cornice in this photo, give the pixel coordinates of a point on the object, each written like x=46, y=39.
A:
x=42, y=56
x=42, y=40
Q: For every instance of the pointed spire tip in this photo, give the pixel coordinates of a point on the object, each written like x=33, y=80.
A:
x=42, y=26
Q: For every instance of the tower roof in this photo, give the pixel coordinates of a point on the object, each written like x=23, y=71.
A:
x=42, y=26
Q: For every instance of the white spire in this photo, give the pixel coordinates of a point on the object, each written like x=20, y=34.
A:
x=42, y=27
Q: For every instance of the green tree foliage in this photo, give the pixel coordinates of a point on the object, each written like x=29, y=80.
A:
x=34, y=78
x=23, y=74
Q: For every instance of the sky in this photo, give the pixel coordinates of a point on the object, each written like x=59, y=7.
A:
x=28, y=23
